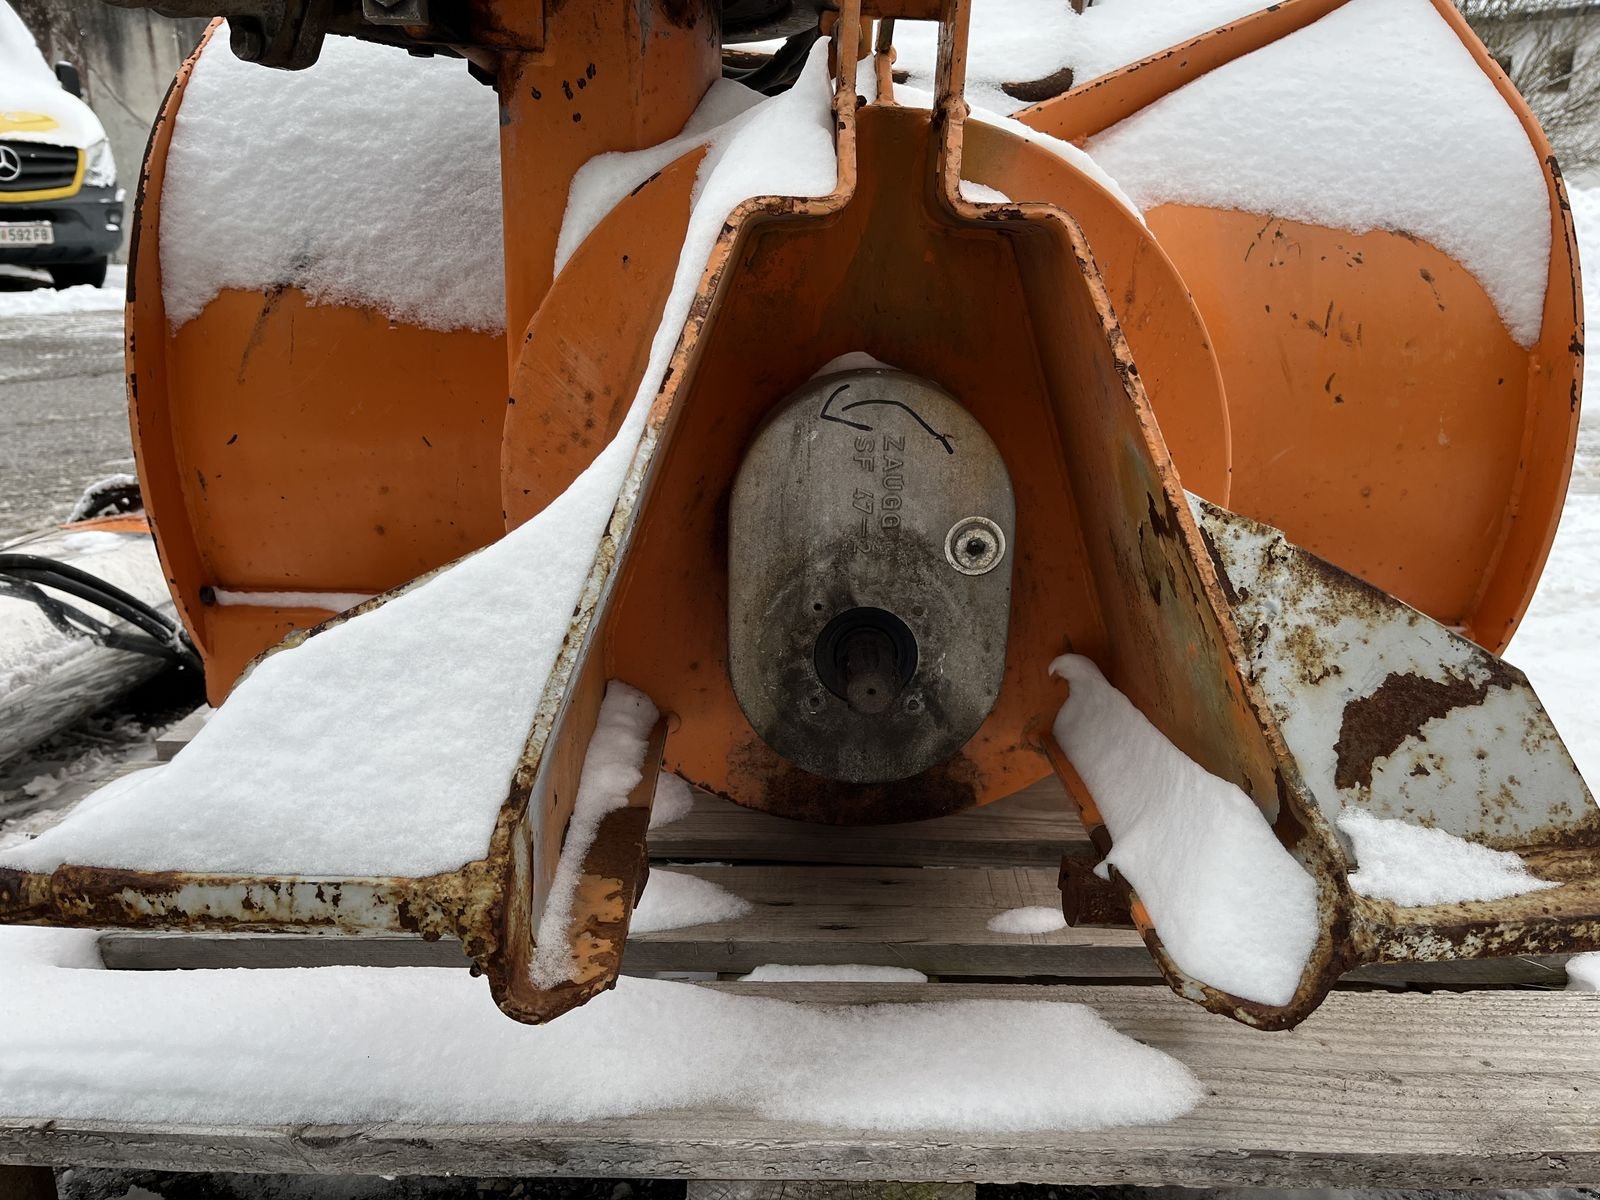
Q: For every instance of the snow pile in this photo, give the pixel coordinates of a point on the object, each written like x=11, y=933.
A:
x=603, y=181
x=1113, y=33
x=336, y=762
x=979, y=193
x=375, y=182
x=1023, y=41
x=1412, y=864
x=674, y=800
x=106, y=494
x=673, y=900
x=1035, y=918
x=1007, y=41
x=1374, y=117
x=23, y=947
x=1558, y=642
x=832, y=973
x=20, y=60
x=612, y=767
x=912, y=97
x=1232, y=906
x=1583, y=973
x=356, y=1044
x=45, y=301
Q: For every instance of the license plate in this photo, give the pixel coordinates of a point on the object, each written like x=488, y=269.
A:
x=27, y=233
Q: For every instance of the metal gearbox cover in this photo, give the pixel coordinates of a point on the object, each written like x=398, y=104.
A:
x=871, y=537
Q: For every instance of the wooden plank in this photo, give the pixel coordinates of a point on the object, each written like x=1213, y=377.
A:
x=1033, y=828
x=934, y=920
x=1493, y=1089
x=816, y=1189
x=174, y=738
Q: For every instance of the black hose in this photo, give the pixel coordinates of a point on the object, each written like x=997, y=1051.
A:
x=166, y=638
x=780, y=71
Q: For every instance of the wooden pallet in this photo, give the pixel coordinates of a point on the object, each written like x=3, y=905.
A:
x=1386, y=1085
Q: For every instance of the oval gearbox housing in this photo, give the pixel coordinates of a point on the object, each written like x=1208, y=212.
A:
x=871, y=535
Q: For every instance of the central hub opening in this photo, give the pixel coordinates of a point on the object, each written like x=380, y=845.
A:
x=866, y=656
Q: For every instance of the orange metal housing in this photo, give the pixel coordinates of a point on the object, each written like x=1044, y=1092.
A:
x=1347, y=356
x=290, y=447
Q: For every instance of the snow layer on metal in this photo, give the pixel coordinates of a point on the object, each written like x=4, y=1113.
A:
x=386, y=744
x=1412, y=865
x=1022, y=41
x=613, y=765
x=319, y=1046
x=1232, y=906
x=371, y=179
x=1374, y=117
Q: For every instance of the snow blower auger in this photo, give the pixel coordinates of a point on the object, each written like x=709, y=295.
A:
x=840, y=579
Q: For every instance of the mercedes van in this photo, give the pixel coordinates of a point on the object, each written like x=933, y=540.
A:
x=60, y=206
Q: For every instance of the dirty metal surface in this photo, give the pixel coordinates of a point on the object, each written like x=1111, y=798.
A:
x=1388, y=711
x=872, y=531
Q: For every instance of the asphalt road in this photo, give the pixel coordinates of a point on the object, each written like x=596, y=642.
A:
x=63, y=411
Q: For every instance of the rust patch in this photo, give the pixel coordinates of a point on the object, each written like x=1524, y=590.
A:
x=774, y=785
x=1375, y=726
x=1032, y=91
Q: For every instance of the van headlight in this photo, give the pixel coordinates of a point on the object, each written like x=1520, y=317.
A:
x=101, y=169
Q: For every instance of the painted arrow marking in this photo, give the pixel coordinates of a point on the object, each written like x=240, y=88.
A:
x=827, y=415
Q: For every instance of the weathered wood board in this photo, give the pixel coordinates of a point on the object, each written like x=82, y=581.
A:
x=1493, y=1089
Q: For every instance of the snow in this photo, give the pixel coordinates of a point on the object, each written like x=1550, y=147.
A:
x=33, y=649
x=912, y=97
x=328, y=601
x=603, y=181
x=979, y=193
x=1558, y=642
x=674, y=800
x=22, y=946
x=1232, y=906
x=853, y=360
x=673, y=900
x=1019, y=41
x=1113, y=33
x=47, y=302
x=336, y=762
x=1035, y=918
x=94, y=497
x=1583, y=973
x=91, y=542
x=832, y=973
x=1413, y=864
x=29, y=90
x=343, y=1045
x=375, y=183
x=1374, y=117
x=612, y=767
x=20, y=60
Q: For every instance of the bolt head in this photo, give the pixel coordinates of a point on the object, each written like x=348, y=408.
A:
x=975, y=545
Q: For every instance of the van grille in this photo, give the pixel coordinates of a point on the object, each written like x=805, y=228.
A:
x=43, y=167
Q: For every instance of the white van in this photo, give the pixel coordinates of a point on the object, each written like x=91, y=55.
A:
x=60, y=206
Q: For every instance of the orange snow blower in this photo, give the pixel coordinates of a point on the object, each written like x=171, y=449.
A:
x=1288, y=482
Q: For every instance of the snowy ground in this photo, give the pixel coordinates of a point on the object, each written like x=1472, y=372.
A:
x=1558, y=644
x=63, y=408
